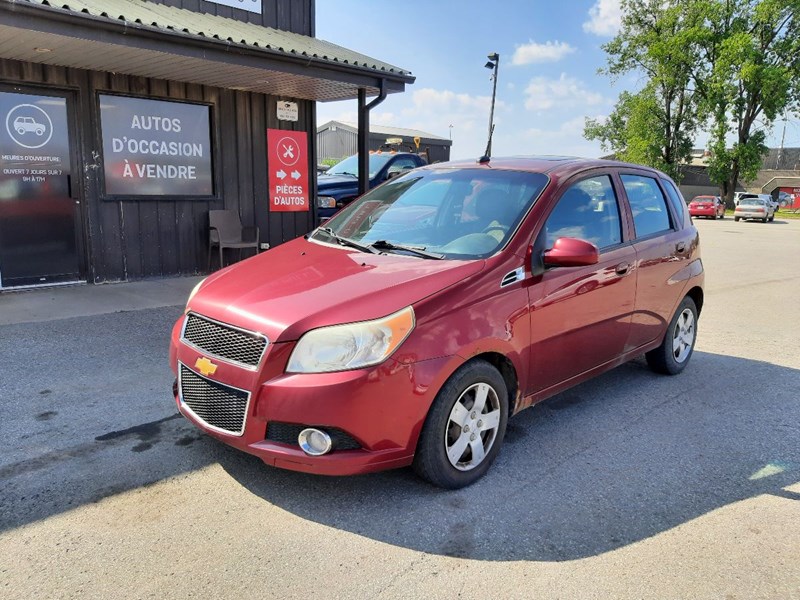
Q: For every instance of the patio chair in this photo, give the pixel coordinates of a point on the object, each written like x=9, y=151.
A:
x=225, y=230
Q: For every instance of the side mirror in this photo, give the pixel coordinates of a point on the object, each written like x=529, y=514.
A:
x=571, y=252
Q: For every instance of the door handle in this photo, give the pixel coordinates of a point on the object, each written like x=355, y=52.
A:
x=622, y=268
x=681, y=247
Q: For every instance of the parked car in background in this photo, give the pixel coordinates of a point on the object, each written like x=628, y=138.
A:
x=775, y=204
x=754, y=208
x=409, y=327
x=707, y=206
x=338, y=186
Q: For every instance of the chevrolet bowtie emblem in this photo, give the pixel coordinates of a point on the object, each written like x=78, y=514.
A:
x=205, y=366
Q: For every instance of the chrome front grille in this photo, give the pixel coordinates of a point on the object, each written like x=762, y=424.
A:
x=224, y=341
x=217, y=405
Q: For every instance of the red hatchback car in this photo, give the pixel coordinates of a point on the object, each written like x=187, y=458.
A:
x=707, y=206
x=380, y=341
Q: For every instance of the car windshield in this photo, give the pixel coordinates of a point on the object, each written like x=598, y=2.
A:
x=751, y=202
x=349, y=166
x=452, y=213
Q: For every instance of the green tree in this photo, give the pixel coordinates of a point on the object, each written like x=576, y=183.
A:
x=656, y=125
x=746, y=76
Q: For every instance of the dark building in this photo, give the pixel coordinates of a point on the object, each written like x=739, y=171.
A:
x=123, y=122
x=338, y=140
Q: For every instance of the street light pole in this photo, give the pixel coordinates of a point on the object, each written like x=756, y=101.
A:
x=494, y=64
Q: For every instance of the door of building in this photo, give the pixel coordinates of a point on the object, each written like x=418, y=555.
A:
x=39, y=195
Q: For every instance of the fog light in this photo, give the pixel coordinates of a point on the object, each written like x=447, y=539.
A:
x=314, y=442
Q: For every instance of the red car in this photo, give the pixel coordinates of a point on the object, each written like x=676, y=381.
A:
x=707, y=206
x=350, y=351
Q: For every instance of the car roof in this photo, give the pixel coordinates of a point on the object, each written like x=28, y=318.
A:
x=561, y=165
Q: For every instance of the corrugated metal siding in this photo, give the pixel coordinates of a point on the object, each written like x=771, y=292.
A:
x=135, y=239
x=288, y=15
x=336, y=144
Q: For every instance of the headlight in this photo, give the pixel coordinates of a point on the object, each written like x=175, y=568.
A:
x=351, y=346
x=193, y=292
x=326, y=202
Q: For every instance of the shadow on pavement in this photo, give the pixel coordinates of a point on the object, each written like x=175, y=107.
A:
x=604, y=465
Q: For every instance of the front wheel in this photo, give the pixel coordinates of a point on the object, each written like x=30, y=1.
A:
x=672, y=356
x=465, y=427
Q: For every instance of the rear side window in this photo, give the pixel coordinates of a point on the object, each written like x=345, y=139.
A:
x=588, y=210
x=650, y=213
x=678, y=203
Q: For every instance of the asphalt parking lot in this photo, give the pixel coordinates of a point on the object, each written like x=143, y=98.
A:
x=632, y=485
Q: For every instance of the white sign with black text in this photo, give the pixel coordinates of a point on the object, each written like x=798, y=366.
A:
x=287, y=111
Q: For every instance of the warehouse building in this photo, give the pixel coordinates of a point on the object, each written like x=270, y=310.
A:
x=124, y=122
x=337, y=140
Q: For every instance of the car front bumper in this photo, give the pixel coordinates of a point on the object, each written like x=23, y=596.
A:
x=381, y=408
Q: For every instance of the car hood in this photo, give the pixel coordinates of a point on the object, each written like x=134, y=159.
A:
x=302, y=285
x=336, y=181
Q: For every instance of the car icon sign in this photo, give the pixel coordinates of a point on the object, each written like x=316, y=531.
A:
x=25, y=125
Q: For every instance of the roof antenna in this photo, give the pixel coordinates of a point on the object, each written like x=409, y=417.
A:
x=493, y=63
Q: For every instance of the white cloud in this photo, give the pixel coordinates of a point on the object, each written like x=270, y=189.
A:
x=532, y=52
x=566, y=139
x=544, y=93
x=605, y=18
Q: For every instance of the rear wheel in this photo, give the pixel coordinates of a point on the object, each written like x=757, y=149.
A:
x=465, y=427
x=764, y=220
x=736, y=219
x=672, y=356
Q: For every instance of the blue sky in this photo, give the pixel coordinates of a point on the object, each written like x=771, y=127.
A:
x=547, y=84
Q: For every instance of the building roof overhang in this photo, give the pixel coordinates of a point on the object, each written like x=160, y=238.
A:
x=140, y=38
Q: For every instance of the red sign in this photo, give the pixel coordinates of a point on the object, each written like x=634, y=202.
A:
x=789, y=198
x=287, y=161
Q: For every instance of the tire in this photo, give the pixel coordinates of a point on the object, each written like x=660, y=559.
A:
x=451, y=425
x=771, y=219
x=672, y=356
x=764, y=220
x=722, y=216
x=736, y=219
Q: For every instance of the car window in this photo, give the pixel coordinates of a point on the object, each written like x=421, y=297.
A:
x=751, y=202
x=588, y=210
x=349, y=166
x=461, y=214
x=650, y=214
x=402, y=163
x=675, y=197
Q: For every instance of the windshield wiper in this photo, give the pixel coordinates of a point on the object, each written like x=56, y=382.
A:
x=343, y=241
x=418, y=250
x=344, y=173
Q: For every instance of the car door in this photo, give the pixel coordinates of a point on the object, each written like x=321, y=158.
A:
x=580, y=316
x=662, y=250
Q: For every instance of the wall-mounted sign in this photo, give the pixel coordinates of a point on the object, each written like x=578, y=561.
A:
x=287, y=111
x=34, y=147
x=287, y=161
x=248, y=5
x=156, y=148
